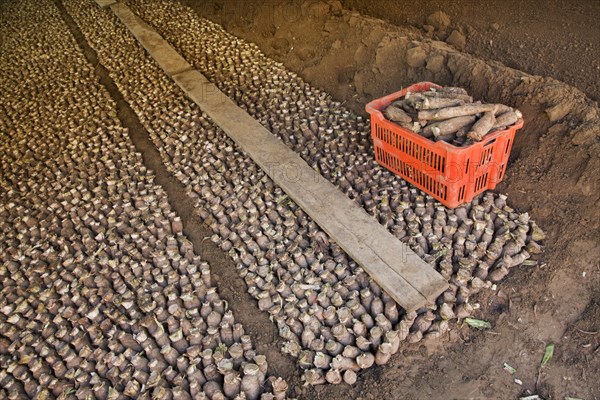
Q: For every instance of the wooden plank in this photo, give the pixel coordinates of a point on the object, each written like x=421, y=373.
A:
x=168, y=59
x=105, y=3
x=393, y=265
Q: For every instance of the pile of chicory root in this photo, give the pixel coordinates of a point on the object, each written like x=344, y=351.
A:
x=449, y=114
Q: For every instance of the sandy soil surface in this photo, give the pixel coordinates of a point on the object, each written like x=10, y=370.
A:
x=552, y=174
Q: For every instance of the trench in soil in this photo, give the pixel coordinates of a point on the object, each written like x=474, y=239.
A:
x=225, y=277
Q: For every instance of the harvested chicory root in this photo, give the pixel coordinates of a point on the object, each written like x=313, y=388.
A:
x=482, y=126
x=449, y=114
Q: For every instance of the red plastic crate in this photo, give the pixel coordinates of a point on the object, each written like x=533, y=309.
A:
x=453, y=175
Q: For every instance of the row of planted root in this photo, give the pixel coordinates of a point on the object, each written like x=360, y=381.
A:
x=101, y=295
x=335, y=320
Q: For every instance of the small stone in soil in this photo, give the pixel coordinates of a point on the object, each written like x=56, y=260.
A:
x=558, y=111
x=415, y=57
x=435, y=63
x=439, y=20
x=457, y=40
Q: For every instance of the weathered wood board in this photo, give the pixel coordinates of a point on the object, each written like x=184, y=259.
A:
x=105, y=3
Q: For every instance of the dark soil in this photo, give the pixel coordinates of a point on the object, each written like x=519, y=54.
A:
x=553, y=173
